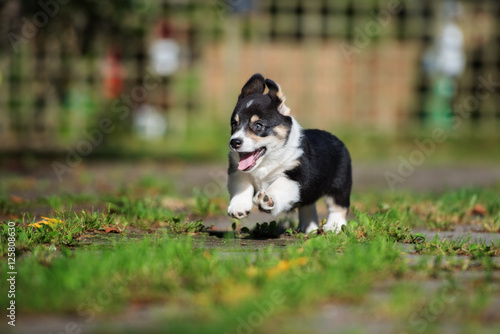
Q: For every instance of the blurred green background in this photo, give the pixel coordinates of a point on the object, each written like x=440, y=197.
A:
x=138, y=78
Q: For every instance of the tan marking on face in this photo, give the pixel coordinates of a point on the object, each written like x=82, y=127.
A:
x=254, y=118
x=237, y=118
x=253, y=136
x=281, y=132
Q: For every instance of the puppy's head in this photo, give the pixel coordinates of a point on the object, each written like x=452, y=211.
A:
x=260, y=123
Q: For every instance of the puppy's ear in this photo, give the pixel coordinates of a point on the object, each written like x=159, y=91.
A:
x=254, y=85
x=277, y=96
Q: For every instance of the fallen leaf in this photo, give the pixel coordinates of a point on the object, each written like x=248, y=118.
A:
x=285, y=265
x=360, y=234
x=479, y=210
x=112, y=230
x=16, y=199
x=301, y=261
x=46, y=221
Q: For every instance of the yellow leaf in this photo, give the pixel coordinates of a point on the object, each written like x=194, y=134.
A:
x=285, y=265
x=46, y=221
x=282, y=266
x=252, y=271
x=301, y=261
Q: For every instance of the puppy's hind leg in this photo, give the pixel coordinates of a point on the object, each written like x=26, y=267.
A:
x=337, y=215
x=308, y=218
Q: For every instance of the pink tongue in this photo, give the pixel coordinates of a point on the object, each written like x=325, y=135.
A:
x=246, y=160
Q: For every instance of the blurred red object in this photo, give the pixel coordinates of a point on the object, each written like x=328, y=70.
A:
x=113, y=73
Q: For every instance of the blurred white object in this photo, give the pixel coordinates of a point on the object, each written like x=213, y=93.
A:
x=165, y=55
x=164, y=51
x=450, y=55
x=149, y=123
x=446, y=56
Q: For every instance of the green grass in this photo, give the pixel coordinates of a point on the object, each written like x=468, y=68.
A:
x=56, y=235
x=161, y=268
x=207, y=292
x=439, y=212
x=144, y=209
x=390, y=214
x=208, y=285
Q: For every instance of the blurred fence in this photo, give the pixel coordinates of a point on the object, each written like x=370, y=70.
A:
x=65, y=66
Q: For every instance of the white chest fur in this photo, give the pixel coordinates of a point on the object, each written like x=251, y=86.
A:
x=279, y=160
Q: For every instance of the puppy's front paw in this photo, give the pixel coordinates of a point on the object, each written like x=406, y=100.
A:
x=264, y=201
x=334, y=225
x=238, y=208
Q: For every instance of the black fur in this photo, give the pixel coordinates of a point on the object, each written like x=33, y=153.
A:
x=255, y=85
x=265, y=109
x=264, y=106
x=324, y=169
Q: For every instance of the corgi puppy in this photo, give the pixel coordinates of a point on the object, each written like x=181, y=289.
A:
x=277, y=166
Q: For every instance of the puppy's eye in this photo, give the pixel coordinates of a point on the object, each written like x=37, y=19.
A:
x=258, y=126
x=233, y=124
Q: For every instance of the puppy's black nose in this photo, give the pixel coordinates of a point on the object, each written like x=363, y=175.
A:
x=235, y=143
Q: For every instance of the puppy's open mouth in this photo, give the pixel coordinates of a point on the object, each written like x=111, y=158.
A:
x=249, y=159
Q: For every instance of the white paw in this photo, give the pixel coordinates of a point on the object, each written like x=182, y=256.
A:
x=239, y=208
x=309, y=228
x=334, y=225
x=264, y=201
